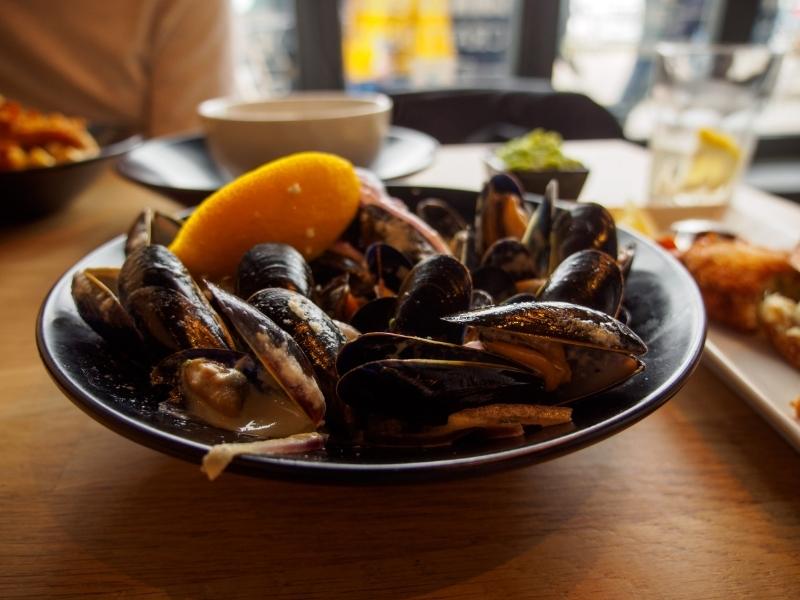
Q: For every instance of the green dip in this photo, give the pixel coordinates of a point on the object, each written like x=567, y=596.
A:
x=539, y=150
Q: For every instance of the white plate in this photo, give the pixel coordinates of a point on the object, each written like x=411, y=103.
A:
x=755, y=369
x=749, y=363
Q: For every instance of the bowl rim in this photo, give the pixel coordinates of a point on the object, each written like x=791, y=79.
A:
x=363, y=104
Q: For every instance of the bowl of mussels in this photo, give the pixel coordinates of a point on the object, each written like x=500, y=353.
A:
x=444, y=332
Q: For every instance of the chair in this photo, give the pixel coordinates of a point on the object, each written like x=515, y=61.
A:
x=477, y=116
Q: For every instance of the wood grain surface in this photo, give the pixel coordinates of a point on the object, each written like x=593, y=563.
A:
x=699, y=500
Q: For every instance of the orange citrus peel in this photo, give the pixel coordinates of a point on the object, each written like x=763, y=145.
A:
x=306, y=200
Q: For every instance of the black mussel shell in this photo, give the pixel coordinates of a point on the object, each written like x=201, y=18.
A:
x=625, y=258
x=557, y=321
x=593, y=371
x=426, y=391
x=151, y=227
x=496, y=282
x=167, y=371
x=375, y=315
x=317, y=335
x=511, y=256
x=276, y=350
x=333, y=297
x=480, y=299
x=521, y=297
x=378, y=346
x=441, y=216
x=332, y=264
x=94, y=293
x=537, y=233
x=436, y=287
x=380, y=225
x=171, y=322
x=155, y=265
x=273, y=265
x=584, y=226
x=313, y=330
x=588, y=278
x=389, y=267
x=465, y=249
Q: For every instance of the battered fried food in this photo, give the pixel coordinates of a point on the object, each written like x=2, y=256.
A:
x=733, y=275
x=780, y=318
x=29, y=138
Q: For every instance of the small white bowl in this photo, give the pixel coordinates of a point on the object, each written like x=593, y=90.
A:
x=243, y=135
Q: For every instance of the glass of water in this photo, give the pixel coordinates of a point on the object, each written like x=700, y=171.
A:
x=707, y=99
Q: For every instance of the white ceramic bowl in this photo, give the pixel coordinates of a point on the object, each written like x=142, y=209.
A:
x=243, y=135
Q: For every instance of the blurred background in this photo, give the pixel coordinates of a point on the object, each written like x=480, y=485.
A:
x=603, y=50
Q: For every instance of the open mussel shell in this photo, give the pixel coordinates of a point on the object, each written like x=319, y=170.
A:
x=380, y=224
x=441, y=216
x=426, y=391
x=375, y=315
x=584, y=226
x=341, y=258
x=625, y=258
x=521, y=297
x=594, y=371
x=494, y=281
x=94, y=293
x=276, y=350
x=273, y=265
x=499, y=212
x=389, y=267
x=436, y=287
x=151, y=227
x=556, y=321
x=167, y=371
x=537, y=233
x=589, y=278
x=378, y=346
x=313, y=330
x=480, y=299
x=465, y=249
x=155, y=265
x=171, y=322
x=511, y=256
x=229, y=390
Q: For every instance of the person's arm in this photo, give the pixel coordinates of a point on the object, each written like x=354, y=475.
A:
x=190, y=60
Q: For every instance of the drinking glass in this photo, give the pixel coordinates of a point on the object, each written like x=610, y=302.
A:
x=707, y=99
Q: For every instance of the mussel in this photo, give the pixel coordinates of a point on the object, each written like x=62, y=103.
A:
x=435, y=287
x=559, y=341
x=229, y=390
x=273, y=265
x=276, y=350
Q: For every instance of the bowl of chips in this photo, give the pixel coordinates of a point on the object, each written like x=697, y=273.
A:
x=46, y=159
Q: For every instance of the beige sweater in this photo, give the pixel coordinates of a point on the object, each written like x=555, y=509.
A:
x=145, y=64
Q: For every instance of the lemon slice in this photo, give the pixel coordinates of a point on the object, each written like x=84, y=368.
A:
x=715, y=163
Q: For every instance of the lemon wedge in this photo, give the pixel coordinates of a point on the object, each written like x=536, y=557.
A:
x=715, y=162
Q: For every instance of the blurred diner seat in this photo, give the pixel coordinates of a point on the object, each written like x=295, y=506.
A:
x=482, y=116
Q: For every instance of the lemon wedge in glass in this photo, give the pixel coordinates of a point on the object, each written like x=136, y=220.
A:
x=715, y=162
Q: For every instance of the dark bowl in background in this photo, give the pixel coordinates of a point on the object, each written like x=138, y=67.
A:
x=570, y=183
x=40, y=191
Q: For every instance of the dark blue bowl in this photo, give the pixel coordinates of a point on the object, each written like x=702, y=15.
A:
x=666, y=311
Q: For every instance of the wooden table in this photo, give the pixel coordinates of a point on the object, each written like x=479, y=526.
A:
x=699, y=500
